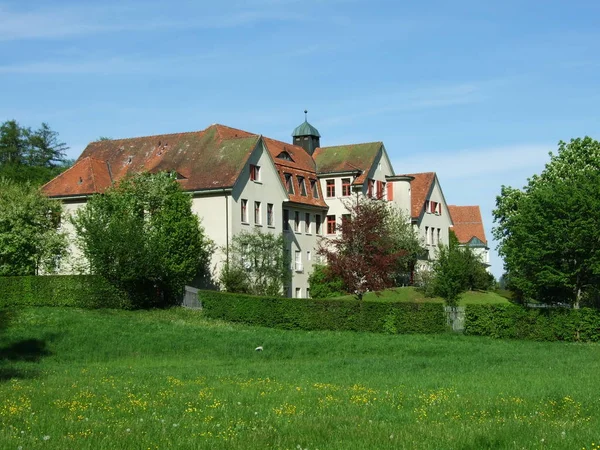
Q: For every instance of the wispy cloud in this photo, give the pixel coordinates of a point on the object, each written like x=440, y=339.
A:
x=83, y=20
x=529, y=158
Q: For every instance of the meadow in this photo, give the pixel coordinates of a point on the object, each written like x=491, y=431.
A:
x=108, y=379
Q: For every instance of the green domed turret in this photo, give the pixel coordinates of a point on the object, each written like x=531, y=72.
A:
x=307, y=136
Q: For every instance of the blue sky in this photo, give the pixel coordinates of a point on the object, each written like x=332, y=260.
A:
x=476, y=91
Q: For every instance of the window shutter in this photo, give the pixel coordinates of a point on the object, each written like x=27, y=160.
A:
x=390, y=190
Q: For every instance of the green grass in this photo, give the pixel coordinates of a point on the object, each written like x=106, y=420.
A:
x=108, y=379
x=410, y=294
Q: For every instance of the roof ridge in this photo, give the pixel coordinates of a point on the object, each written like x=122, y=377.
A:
x=348, y=145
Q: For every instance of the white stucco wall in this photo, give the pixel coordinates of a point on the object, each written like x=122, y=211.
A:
x=438, y=222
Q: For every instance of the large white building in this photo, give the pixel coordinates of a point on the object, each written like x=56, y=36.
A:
x=240, y=181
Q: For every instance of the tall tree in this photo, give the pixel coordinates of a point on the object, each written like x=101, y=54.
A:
x=30, y=240
x=45, y=148
x=375, y=245
x=143, y=236
x=257, y=264
x=14, y=143
x=549, y=232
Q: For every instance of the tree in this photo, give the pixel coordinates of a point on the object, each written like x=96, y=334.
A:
x=30, y=241
x=257, y=264
x=142, y=236
x=549, y=232
x=324, y=284
x=376, y=245
x=46, y=150
x=27, y=156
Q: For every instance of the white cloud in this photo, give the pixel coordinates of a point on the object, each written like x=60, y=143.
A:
x=477, y=162
x=84, y=20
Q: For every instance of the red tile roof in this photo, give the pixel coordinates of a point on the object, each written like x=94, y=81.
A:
x=208, y=159
x=87, y=176
x=420, y=188
x=302, y=165
x=346, y=158
x=467, y=223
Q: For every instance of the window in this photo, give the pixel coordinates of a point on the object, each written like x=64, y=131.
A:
x=330, y=188
x=246, y=256
x=298, y=261
x=286, y=220
x=345, y=187
x=318, y=223
x=299, y=290
x=307, y=223
x=307, y=293
x=427, y=236
x=244, y=210
x=380, y=190
x=297, y=221
x=308, y=255
x=302, y=185
x=370, y=188
x=331, y=224
x=257, y=217
x=254, y=172
x=270, y=214
x=314, y=188
x=289, y=183
x=432, y=232
x=427, y=206
x=439, y=233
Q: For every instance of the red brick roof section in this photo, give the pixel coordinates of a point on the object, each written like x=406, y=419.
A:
x=347, y=158
x=467, y=223
x=87, y=176
x=419, y=190
x=208, y=159
x=302, y=165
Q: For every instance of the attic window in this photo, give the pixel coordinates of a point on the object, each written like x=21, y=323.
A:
x=129, y=160
x=289, y=183
x=302, y=185
x=314, y=188
x=285, y=156
x=80, y=181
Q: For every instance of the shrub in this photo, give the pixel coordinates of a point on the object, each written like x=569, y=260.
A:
x=325, y=314
x=324, y=284
x=83, y=291
x=540, y=324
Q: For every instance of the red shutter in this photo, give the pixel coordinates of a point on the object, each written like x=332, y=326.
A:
x=390, y=191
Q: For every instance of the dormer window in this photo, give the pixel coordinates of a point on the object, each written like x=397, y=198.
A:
x=314, y=188
x=289, y=183
x=302, y=184
x=254, y=172
x=285, y=156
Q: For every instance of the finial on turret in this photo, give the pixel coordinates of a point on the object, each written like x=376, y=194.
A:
x=305, y=115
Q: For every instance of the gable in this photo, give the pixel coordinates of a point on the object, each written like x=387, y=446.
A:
x=347, y=158
x=468, y=224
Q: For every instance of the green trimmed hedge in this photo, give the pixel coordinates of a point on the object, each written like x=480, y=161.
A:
x=83, y=291
x=339, y=315
x=540, y=324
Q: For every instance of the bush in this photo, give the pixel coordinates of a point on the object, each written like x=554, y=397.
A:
x=324, y=314
x=540, y=324
x=82, y=291
x=324, y=284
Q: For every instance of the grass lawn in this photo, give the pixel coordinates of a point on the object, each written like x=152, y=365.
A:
x=76, y=379
x=410, y=294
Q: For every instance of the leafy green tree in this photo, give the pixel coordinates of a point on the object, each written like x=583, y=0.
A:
x=549, y=232
x=324, y=284
x=257, y=264
x=375, y=246
x=30, y=241
x=143, y=237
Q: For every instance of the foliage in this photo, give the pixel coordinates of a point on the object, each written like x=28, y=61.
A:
x=257, y=264
x=456, y=270
x=143, y=237
x=549, y=232
x=30, y=240
x=26, y=155
x=375, y=247
x=324, y=314
x=324, y=284
x=540, y=324
x=82, y=291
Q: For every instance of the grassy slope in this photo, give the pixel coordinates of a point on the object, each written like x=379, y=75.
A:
x=172, y=379
x=410, y=294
